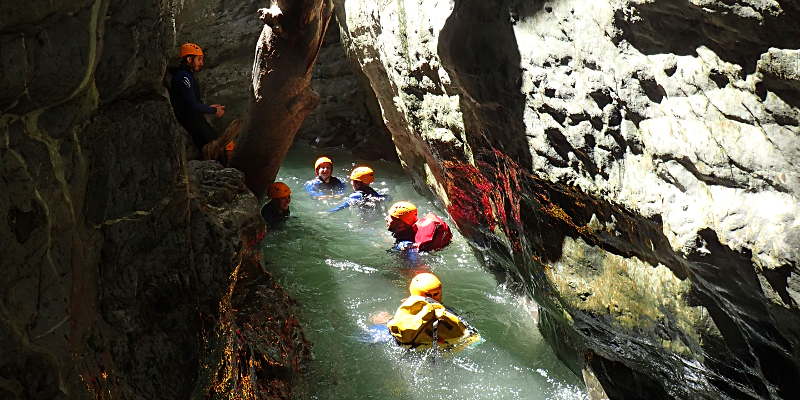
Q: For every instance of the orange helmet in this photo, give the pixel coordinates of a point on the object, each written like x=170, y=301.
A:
x=404, y=211
x=322, y=160
x=426, y=284
x=363, y=174
x=190, y=49
x=278, y=190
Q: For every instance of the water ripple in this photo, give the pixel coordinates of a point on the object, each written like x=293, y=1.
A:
x=346, y=265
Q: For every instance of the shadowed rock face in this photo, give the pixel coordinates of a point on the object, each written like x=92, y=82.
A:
x=117, y=256
x=631, y=165
x=228, y=34
x=348, y=113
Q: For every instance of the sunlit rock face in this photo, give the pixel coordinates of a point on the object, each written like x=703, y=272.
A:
x=116, y=253
x=633, y=165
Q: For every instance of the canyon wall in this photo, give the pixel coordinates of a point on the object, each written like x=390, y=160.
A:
x=116, y=254
x=631, y=165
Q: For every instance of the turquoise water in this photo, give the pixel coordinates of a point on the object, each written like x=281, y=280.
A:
x=337, y=268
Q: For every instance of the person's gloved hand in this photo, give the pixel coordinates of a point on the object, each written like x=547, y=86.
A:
x=220, y=110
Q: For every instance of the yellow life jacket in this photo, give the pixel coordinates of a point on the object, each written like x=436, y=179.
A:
x=412, y=323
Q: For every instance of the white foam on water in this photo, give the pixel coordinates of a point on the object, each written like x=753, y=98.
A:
x=345, y=265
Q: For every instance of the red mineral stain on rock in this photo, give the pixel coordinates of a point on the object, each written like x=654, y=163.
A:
x=469, y=193
x=486, y=196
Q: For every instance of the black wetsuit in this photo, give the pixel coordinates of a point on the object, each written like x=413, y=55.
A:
x=272, y=214
x=185, y=97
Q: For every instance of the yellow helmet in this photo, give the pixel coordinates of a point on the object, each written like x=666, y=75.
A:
x=404, y=211
x=190, y=49
x=322, y=160
x=425, y=284
x=278, y=190
x=363, y=174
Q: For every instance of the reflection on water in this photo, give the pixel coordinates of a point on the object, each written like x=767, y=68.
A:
x=337, y=267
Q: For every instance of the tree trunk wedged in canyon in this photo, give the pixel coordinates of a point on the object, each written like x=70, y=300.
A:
x=631, y=165
x=282, y=97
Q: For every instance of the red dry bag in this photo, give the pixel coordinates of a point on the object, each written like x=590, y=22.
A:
x=432, y=233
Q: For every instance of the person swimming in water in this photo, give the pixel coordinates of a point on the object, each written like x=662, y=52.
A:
x=410, y=233
x=422, y=319
x=277, y=209
x=324, y=184
x=363, y=196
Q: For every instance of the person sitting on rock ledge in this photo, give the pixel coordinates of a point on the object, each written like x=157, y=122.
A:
x=277, y=209
x=364, y=196
x=411, y=234
x=185, y=97
x=325, y=184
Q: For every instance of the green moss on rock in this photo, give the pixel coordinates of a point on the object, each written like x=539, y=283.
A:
x=638, y=297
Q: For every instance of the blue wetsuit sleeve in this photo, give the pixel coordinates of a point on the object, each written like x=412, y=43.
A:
x=312, y=189
x=341, y=206
x=347, y=202
x=184, y=87
x=378, y=333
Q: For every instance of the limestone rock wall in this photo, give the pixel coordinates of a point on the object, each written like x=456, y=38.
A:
x=116, y=254
x=632, y=165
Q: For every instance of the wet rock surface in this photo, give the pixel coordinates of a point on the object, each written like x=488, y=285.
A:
x=117, y=254
x=258, y=349
x=631, y=165
x=162, y=277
